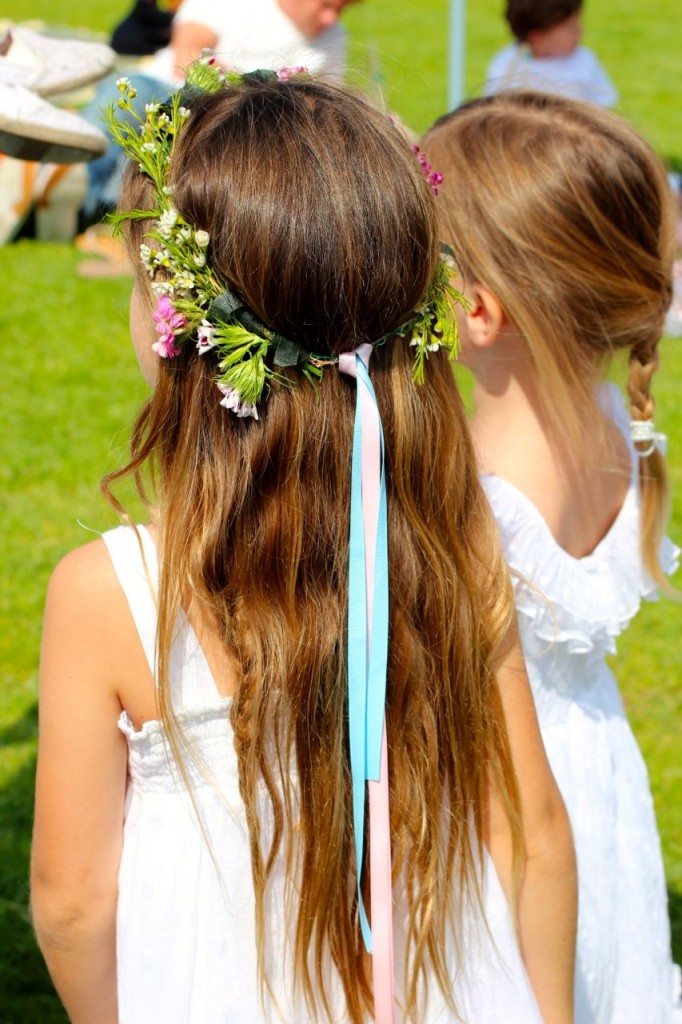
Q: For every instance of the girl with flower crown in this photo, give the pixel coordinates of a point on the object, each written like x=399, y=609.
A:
x=287, y=720
x=565, y=233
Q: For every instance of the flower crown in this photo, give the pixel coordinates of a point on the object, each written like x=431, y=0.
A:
x=193, y=305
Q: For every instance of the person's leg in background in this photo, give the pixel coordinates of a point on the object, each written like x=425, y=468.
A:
x=106, y=172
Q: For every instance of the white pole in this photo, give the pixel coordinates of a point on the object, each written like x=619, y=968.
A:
x=457, y=22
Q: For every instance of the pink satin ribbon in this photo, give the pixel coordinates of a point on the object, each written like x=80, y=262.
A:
x=381, y=888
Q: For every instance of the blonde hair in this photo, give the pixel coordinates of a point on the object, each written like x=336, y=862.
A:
x=564, y=212
x=321, y=219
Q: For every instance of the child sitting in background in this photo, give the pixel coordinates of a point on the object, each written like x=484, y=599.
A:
x=547, y=56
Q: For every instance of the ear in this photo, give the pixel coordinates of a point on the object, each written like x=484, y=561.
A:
x=485, y=317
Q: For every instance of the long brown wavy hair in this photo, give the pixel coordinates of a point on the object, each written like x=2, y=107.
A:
x=564, y=212
x=321, y=219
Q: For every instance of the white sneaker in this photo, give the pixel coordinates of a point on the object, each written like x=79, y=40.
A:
x=46, y=65
x=33, y=129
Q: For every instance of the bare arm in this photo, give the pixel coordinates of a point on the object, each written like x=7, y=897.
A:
x=548, y=895
x=80, y=787
x=189, y=38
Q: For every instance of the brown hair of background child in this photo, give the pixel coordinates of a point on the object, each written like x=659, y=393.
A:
x=526, y=16
x=564, y=212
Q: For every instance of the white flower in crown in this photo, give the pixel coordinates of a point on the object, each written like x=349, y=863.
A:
x=161, y=288
x=232, y=400
x=202, y=238
x=434, y=346
x=184, y=281
x=185, y=233
x=150, y=147
x=183, y=112
x=151, y=108
x=200, y=260
x=167, y=221
x=205, y=337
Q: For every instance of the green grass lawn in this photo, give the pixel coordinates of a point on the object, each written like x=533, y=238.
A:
x=70, y=389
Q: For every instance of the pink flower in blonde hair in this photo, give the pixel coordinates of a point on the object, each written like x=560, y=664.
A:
x=168, y=322
x=434, y=178
x=284, y=74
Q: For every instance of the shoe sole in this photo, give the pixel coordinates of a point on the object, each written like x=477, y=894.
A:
x=63, y=152
x=47, y=83
x=69, y=84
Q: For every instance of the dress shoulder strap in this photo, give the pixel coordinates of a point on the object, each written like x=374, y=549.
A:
x=133, y=556
x=135, y=560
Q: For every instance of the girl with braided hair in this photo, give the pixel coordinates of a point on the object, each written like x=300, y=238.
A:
x=222, y=831
x=563, y=226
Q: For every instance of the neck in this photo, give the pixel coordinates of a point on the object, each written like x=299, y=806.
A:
x=509, y=424
x=502, y=392
x=542, y=52
x=578, y=495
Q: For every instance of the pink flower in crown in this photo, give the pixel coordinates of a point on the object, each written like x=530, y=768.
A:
x=284, y=74
x=233, y=401
x=168, y=322
x=166, y=347
x=205, y=337
x=434, y=178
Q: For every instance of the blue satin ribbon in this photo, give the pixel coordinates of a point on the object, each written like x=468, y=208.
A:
x=367, y=655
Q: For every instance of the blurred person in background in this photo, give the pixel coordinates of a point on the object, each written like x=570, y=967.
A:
x=547, y=56
x=261, y=34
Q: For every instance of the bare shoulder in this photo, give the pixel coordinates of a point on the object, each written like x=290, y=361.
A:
x=87, y=567
x=83, y=587
x=87, y=618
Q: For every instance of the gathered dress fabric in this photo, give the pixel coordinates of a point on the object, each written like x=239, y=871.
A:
x=186, y=938
x=571, y=610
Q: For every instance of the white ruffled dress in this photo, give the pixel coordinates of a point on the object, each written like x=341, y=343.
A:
x=186, y=944
x=570, y=616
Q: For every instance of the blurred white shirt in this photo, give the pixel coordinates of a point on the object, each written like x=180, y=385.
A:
x=579, y=75
x=255, y=34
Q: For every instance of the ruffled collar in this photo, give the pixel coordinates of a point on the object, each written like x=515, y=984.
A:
x=583, y=602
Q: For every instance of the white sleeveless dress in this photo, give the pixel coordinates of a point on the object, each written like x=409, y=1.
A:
x=186, y=947
x=625, y=974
